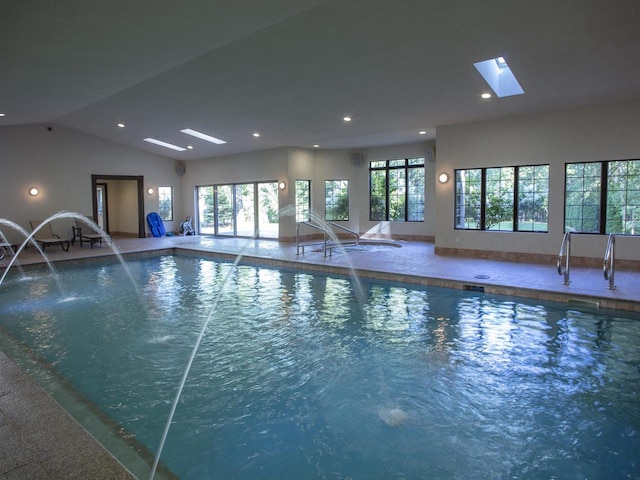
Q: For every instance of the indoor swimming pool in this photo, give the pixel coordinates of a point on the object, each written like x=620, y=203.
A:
x=304, y=375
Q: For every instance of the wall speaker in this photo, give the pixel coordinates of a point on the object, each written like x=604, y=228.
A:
x=181, y=169
x=430, y=154
x=356, y=159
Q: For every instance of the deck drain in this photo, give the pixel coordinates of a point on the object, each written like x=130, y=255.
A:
x=481, y=276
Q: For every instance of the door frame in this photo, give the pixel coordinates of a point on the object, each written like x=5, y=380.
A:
x=95, y=179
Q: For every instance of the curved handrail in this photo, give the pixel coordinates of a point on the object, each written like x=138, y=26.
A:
x=566, y=245
x=346, y=230
x=312, y=225
x=608, y=266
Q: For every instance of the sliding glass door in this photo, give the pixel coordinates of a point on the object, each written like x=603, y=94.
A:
x=206, y=210
x=239, y=210
x=268, y=210
x=225, y=224
x=245, y=210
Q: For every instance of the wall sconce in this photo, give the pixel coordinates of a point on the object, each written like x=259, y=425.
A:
x=443, y=178
x=282, y=185
x=33, y=191
x=150, y=191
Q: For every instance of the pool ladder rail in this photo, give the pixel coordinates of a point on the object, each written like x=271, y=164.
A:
x=563, y=263
x=327, y=244
x=609, y=264
x=566, y=245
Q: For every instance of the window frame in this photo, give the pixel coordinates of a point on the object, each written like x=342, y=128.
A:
x=160, y=199
x=301, y=215
x=603, y=221
x=389, y=168
x=326, y=206
x=482, y=207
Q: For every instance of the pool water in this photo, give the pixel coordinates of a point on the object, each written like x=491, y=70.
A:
x=299, y=377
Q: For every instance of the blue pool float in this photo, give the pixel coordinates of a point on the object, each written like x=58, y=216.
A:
x=155, y=225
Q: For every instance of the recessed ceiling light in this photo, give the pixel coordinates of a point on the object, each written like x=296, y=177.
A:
x=203, y=136
x=422, y=132
x=165, y=144
x=121, y=125
x=486, y=95
x=256, y=134
x=190, y=147
x=315, y=145
x=2, y=114
x=347, y=119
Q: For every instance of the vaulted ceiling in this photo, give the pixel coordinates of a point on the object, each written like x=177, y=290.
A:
x=290, y=70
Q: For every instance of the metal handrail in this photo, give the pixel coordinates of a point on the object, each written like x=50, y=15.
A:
x=346, y=230
x=312, y=225
x=566, y=245
x=609, y=266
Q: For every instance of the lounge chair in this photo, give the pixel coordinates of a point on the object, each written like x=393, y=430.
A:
x=6, y=247
x=45, y=236
x=85, y=233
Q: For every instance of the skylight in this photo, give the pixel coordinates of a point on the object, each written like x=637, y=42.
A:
x=165, y=144
x=203, y=136
x=499, y=76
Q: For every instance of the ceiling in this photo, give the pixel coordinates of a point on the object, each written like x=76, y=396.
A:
x=292, y=69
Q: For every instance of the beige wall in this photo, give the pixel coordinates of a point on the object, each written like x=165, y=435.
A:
x=60, y=163
x=317, y=165
x=599, y=133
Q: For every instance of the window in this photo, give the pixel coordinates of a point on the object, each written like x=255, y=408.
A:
x=165, y=203
x=499, y=200
x=336, y=196
x=623, y=197
x=602, y=197
x=502, y=198
x=582, y=197
x=533, y=198
x=396, y=190
x=468, y=204
x=303, y=200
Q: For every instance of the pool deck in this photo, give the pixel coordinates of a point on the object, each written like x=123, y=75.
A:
x=38, y=440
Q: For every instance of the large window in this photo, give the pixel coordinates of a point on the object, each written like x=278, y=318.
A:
x=165, y=203
x=396, y=190
x=336, y=196
x=303, y=200
x=602, y=197
x=243, y=209
x=502, y=198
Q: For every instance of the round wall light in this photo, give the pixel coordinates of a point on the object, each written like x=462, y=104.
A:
x=150, y=190
x=282, y=185
x=33, y=191
x=443, y=178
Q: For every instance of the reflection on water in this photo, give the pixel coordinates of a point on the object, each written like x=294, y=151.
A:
x=299, y=378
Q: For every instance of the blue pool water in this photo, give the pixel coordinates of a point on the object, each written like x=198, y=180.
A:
x=297, y=377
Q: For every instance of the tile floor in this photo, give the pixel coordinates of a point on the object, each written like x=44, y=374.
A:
x=39, y=440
